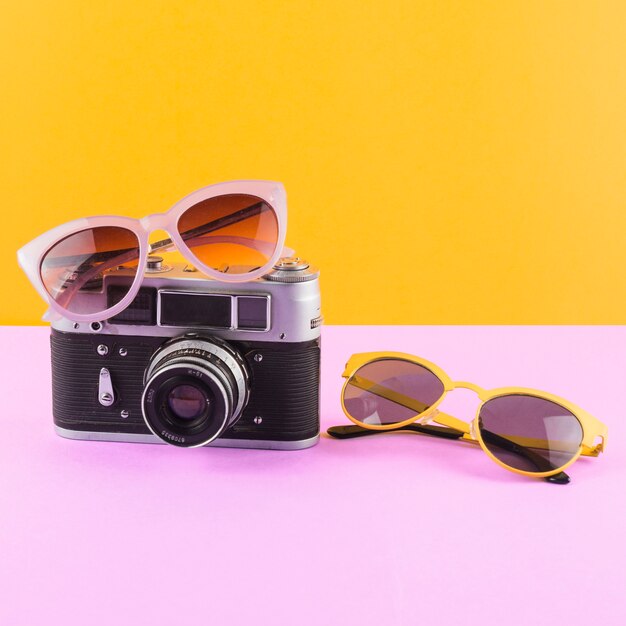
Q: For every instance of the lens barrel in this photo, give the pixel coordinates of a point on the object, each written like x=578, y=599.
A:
x=195, y=388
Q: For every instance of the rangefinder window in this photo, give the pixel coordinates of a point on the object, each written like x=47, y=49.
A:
x=141, y=311
x=194, y=310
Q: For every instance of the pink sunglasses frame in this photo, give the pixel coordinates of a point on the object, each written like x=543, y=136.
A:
x=31, y=255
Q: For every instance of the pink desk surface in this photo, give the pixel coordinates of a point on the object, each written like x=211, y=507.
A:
x=387, y=530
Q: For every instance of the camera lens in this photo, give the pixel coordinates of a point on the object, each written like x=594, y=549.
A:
x=187, y=402
x=195, y=389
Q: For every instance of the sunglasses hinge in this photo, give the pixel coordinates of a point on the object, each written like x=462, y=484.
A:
x=597, y=448
x=428, y=416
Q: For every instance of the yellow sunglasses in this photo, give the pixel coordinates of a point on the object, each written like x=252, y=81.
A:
x=529, y=432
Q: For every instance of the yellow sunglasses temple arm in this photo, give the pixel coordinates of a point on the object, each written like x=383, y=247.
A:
x=410, y=403
x=352, y=430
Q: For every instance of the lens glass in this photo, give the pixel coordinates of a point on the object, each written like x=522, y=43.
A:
x=530, y=433
x=389, y=391
x=72, y=270
x=187, y=402
x=233, y=233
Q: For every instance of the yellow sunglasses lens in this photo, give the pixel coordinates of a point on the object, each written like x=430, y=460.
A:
x=530, y=433
x=390, y=391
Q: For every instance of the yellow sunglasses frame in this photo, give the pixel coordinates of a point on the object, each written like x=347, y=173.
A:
x=591, y=426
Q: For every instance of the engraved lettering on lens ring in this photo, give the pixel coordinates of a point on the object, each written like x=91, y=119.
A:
x=198, y=434
x=212, y=350
x=171, y=437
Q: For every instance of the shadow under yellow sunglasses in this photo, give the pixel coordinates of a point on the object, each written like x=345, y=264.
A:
x=526, y=431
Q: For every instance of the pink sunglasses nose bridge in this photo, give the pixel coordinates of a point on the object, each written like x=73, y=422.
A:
x=156, y=221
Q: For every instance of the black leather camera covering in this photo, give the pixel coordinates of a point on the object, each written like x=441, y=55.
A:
x=284, y=386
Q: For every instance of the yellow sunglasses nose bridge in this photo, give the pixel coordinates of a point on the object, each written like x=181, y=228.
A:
x=479, y=391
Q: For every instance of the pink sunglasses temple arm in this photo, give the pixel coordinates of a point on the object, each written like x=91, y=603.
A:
x=161, y=246
x=125, y=257
x=166, y=245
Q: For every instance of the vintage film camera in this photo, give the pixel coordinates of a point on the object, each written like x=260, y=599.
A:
x=193, y=361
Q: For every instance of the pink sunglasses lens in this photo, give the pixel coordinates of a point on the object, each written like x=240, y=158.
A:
x=233, y=233
x=73, y=271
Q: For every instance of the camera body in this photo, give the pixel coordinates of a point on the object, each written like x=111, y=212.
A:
x=194, y=361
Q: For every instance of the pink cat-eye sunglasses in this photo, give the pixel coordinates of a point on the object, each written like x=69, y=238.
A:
x=232, y=232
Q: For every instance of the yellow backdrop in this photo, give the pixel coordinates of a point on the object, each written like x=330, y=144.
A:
x=445, y=162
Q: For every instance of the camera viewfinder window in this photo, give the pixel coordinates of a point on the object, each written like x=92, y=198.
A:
x=252, y=313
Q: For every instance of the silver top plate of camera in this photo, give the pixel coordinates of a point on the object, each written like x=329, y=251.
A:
x=282, y=306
